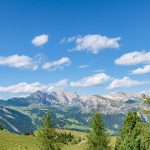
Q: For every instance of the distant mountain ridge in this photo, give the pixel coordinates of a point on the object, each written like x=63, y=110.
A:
x=111, y=103
x=71, y=110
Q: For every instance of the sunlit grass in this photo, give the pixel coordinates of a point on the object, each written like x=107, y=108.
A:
x=10, y=141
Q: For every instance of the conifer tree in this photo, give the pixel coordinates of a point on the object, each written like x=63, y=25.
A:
x=98, y=138
x=130, y=133
x=47, y=135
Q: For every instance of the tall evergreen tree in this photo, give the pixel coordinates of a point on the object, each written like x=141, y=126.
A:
x=129, y=138
x=145, y=142
x=98, y=138
x=47, y=135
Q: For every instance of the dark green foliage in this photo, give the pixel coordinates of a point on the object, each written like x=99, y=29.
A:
x=1, y=127
x=47, y=136
x=64, y=137
x=30, y=133
x=130, y=123
x=128, y=132
x=98, y=138
x=134, y=134
x=145, y=137
x=147, y=100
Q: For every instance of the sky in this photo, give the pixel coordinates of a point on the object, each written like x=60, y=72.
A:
x=87, y=46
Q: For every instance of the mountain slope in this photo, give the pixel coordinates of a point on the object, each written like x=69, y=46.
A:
x=15, y=121
x=69, y=110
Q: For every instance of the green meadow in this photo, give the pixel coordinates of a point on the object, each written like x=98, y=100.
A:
x=10, y=141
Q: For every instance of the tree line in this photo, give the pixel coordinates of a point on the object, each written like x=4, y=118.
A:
x=51, y=139
x=134, y=135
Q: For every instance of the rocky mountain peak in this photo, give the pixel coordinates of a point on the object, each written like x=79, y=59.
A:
x=122, y=96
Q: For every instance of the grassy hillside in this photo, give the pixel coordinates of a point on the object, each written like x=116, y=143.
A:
x=21, y=119
x=10, y=141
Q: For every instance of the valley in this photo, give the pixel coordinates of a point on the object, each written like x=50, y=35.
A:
x=69, y=110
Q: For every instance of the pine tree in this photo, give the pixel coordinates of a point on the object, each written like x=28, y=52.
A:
x=130, y=133
x=145, y=143
x=98, y=138
x=47, y=135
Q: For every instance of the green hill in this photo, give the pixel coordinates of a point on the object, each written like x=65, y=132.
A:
x=11, y=141
x=15, y=121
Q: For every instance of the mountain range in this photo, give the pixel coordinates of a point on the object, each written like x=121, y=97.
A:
x=69, y=110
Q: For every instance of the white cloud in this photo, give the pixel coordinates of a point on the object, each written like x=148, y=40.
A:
x=125, y=82
x=18, y=61
x=61, y=83
x=24, y=87
x=83, y=66
x=40, y=40
x=26, y=62
x=134, y=58
x=58, y=64
x=99, y=70
x=93, y=43
x=145, y=69
x=91, y=80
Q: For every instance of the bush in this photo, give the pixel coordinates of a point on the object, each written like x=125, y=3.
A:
x=30, y=133
x=1, y=127
x=64, y=137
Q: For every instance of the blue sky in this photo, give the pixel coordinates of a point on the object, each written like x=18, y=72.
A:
x=92, y=46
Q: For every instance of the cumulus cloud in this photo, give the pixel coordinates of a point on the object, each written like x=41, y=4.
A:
x=39, y=61
x=145, y=69
x=83, y=66
x=24, y=87
x=18, y=61
x=125, y=82
x=134, y=58
x=40, y=40
x=93, y=43
x=91, y=80
x=57, y=64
